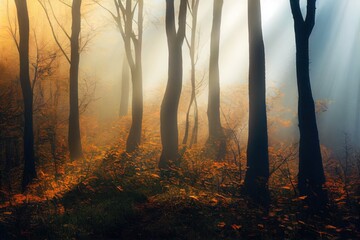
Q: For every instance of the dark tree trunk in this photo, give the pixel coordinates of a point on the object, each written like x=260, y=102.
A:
x=216, y=133
x=134, y=138
x=311, y=173
x=257, y=173
x=125, y=89
x=193, y=100
x=74, y=140
x=170, y=103
x=29, y=159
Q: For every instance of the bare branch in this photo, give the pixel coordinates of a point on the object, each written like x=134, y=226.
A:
x=57, y=21
x=53, y=32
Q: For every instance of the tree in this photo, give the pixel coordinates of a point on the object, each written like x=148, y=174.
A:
x=124, y=18
x=216, y=132
x=125, y=88
x=193, y=8
x=311, y=173
x=74, y=138
x=23, y=47
x=257, y=173
x=170, y=103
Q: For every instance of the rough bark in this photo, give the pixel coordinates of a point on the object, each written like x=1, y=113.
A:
x=125, y=89
x=216, y=133
x=74, y=139
x=170, y=103
x=257, y=173
x=311, y=173
x=28, y=138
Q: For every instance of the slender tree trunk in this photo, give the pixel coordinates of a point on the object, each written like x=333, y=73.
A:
x=74, y=140
x=192, y=48
x=257, y=173
x=134, y=138
x=216, y=133
x=311, y=173
x=28, y=137
x=170, y=103
x=125, y=88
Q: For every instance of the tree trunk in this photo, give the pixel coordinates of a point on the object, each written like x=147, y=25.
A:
x=74, y=140
x=192, y=48
x=311, y=173
x=29, y=159
x=134, y=138
x=257, y=173
x=216, y=133
x=125, y=89
x=170, y=103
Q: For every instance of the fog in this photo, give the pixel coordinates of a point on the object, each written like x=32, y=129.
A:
x=334, y=57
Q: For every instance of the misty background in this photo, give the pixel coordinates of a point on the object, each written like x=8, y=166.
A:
x=334, y=58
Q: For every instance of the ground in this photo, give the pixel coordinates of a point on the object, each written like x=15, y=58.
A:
x=121, y=196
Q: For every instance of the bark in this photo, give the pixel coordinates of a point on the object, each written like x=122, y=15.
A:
x=170, y=103
x=311, y=173
x=257, y=173
x=125, y=88
x=134, y=138
x=216, y=133
x=213, y=112
x=74, y=139
x=28, y=138
x=193, y=100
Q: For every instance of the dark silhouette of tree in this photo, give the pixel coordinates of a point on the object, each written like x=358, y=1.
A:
x=257, y=173
x=28, y=137
x=193, y=9
x=124, y=18
x=311, y=173
x=216, y=133
x=74, y=138
x=170, y=103
x=125, y=88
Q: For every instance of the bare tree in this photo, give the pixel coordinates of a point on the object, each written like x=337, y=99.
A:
x=193, y=9
x=125, y=19
x=216, y=133
x=170, y=103
x=74, y=138
x=257, y=173
x=311, y=173
x=29, y=158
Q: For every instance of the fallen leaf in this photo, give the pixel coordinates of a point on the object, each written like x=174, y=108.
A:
x=221, y=224
x=235, y=227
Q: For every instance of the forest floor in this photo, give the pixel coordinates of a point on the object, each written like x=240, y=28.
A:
x=120, y=196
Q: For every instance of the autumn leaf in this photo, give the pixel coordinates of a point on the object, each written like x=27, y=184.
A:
x=154, y=175
x=195, y=198
x=236, y=227
x=330, y=227
x=221, y=224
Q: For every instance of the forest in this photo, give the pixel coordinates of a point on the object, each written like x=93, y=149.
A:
x=179, y=119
